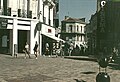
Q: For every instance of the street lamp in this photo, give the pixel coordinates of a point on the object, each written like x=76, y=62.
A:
x=39, y=26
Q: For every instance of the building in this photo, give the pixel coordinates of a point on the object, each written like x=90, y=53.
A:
x=73, y=31
x=107, y=28
x=24, y=21
x=107, y=21
x=91, y=31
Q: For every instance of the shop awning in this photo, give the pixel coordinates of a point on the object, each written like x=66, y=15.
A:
x=54, y=38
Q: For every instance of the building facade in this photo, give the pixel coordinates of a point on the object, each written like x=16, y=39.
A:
x=91, y=31
x=28, y=21
x=73, y=31
x=107, y=22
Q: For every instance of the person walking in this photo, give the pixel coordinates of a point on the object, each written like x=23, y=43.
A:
x=26, y=50
x=36, y=49
x=114, y=54
x=70, y=49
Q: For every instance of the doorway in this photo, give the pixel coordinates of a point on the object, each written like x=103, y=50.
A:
x=22, y=39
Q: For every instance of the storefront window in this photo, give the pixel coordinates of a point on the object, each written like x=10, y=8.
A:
x=4, y=41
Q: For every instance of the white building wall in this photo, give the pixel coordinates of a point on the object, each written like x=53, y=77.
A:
x=15, y=34
x=83, y=28
x=33, y=7
x=13, y=4
x=14, y=24
x=22, y=4
x=46, y=13
x=51, y=16
x=45, y=28
x=41, y=10
x=76, y=28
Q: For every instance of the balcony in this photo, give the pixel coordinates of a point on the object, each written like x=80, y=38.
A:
x=64, y=32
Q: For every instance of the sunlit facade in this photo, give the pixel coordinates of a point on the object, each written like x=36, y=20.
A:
x=18, y=23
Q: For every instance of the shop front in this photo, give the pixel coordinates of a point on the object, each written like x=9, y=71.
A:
x=15, y=32
x=49, y=40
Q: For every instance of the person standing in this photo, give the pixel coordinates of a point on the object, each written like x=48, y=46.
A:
x=70, y=49
x=26, y=50
x=36, y=49
x=47, y=49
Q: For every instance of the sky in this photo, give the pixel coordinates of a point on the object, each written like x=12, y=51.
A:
x=77, y=9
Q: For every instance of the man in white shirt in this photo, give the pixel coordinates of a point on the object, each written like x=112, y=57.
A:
x=27, y=50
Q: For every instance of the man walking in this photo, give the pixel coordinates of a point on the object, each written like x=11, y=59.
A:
x=26, y=50
x=36, y=49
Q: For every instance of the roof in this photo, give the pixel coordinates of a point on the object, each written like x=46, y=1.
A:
x=78, y=20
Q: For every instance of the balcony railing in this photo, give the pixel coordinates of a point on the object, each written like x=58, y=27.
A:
x=72, y=32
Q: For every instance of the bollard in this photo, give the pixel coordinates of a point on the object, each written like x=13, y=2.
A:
x=102, y=77
x=103, y=62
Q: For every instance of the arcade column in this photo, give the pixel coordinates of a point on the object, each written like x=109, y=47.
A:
x=15, y=35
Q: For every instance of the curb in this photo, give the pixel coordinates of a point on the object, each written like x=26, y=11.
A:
x=81, y=58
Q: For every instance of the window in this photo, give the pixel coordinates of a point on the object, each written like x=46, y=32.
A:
x=67, y=38
x=81, y=29
x=49, y=17
x=0, y=4
x=77, y=28
x=70, y=28
x=49, y=22
x=44, y=19
x=77, y=38
x=81, y=37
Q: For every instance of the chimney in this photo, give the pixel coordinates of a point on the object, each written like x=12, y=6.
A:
x=66, y=17
x=83, y=19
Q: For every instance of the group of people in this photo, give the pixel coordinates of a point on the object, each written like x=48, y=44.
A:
x=26, y=50
x=114, y=54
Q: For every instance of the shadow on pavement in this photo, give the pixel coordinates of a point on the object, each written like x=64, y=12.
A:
x=29, y=78
x=79, y=80
x=89, y=72
x=116, y=64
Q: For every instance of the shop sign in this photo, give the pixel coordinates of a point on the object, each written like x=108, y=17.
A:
x=49, y=30
x=3, y=22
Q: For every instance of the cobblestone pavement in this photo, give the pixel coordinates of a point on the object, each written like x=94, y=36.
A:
x=47, y=69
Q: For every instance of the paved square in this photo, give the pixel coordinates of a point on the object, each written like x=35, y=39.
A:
x=47, y=69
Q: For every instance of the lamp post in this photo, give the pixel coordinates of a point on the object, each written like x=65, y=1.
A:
x=39, y=26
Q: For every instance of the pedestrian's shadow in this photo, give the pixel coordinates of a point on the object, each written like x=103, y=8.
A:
x=79, y=80
x=114, y=66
